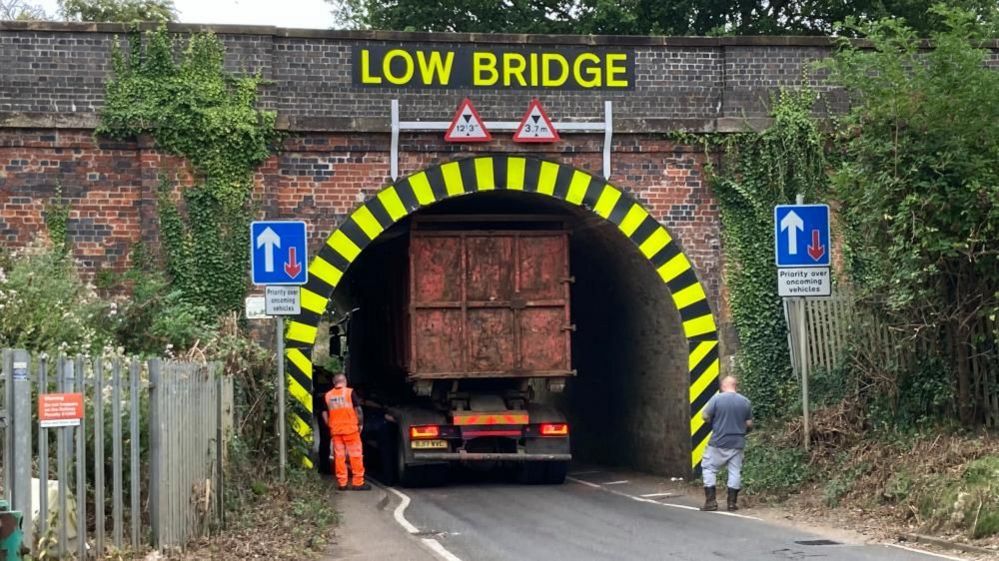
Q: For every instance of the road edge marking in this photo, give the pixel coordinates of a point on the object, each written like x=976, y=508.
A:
x=924, y=552
x=672, y=505
x=399, y=514
x=440, y=550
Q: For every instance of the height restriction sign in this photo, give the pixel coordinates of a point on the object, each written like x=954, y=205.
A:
x=535, y=126
x=467, y=126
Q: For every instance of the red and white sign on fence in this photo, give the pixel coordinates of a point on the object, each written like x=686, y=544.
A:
x=60, y=409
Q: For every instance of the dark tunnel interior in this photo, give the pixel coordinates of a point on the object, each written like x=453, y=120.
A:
x=627, y=405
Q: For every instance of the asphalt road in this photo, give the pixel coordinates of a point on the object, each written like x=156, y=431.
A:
x=588, y=520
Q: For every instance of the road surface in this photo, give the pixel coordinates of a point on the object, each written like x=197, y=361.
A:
x=599, y=516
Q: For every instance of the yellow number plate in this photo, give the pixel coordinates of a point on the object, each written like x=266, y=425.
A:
x=429, y=444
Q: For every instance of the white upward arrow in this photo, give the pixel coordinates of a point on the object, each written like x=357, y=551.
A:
x=269, y=240
x=792, y=223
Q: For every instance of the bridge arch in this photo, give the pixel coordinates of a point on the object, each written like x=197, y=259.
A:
x=514, y=173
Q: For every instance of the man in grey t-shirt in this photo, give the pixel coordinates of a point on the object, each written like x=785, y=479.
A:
x=730, y=415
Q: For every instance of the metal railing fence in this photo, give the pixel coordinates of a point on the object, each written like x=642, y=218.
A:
x=155, y=430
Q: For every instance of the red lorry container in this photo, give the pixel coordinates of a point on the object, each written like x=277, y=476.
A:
x=489, y=304
x=486, y=311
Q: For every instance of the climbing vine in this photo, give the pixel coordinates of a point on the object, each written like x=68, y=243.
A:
x=193, y=108
x=758, y=171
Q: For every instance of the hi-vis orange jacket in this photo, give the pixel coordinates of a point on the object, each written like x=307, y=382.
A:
x=340, y=407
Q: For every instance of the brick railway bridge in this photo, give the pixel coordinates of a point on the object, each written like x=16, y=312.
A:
x=649, y=298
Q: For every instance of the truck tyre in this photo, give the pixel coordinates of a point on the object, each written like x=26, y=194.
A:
x=387, y=446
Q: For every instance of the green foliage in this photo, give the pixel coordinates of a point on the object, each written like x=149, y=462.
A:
x=57, y=222
x=159, y=11
x=44, y=305
x=636, y=17
x=919, y=184
x=194, y=109
x=761, y=170
x=19, y=10
x=970, y=503
x=772, y=469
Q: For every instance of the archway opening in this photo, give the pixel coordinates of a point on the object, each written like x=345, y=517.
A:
x=627, y=405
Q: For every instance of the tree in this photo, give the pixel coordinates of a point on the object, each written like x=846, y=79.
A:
x=638, y=17
x=161, y=11
x=918, y=186
x=11, y=10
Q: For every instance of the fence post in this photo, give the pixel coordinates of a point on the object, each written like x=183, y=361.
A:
x=65, y=372
x=100, y=509
x=116, y=500
x=20, y=484
x=81, y=468
x=219, y=448
x=156, y=496
x=43, y=459
x=133, y=417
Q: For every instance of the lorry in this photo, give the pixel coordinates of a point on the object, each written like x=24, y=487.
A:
x=458, y=328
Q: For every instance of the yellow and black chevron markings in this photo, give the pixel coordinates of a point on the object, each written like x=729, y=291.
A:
x=513, y=173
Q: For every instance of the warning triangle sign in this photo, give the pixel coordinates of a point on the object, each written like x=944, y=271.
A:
x=467, y=126
x=535, y=126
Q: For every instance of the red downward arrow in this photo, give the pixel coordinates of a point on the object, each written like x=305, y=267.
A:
x=293, y=267
x=815, y=251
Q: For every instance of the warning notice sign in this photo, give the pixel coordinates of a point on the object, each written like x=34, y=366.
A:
x=467, y=126
x=60, y=409
x=535, y=126
x=803, y=281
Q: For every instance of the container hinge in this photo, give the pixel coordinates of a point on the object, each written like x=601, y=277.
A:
x=570, y=327
x=569, y=280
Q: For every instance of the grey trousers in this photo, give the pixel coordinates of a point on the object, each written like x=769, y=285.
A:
x=716, y=458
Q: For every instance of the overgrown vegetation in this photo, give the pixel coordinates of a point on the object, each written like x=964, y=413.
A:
x=758, y=172
x=193, y=108
x=912, y=173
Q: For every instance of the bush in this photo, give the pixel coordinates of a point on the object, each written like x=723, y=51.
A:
x=46, y=306
x=772, y=469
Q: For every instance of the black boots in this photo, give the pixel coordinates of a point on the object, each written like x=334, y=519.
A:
x=733, y=499
x=710, y=499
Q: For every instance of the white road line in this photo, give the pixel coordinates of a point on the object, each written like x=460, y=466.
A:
x=622, y=482
x=400, y=512
x=400, y=517
x=924, y=552
x=439, y=549
x=647, y=500
x=655, y=495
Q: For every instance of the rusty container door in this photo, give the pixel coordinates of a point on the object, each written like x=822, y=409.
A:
x=489, y=304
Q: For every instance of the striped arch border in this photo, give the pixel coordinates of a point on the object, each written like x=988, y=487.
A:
x=514, y=173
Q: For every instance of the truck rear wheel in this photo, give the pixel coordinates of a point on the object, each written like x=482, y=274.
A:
x=409, y=475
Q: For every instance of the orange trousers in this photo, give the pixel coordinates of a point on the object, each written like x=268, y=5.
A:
x=348, y=445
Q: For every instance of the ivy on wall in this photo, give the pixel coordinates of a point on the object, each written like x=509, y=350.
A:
x=758, y=171
x=193, y=108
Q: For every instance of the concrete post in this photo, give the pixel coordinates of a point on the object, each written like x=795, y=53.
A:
x=21, y=425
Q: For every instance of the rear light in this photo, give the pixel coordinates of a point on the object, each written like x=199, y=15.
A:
x=554, y=429
x=424, y=431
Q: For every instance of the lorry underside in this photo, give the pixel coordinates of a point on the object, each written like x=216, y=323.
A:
x=458, y=322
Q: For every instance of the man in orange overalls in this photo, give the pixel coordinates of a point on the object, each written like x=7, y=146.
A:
x=344, y=419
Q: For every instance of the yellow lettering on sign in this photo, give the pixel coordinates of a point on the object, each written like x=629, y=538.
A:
x=407, y=73
x=366, y=77
x=433, y=65
x=613, y=69
x=546, y=70
x=534, y=69
x=592, y=70
x=514, y=65
x=484, y=63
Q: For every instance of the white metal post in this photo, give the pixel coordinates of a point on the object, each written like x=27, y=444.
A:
x=395, y=140
x=282, y=445
x=608, y=133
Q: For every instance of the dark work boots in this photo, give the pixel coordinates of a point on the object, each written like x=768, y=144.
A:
x=733, y=499
x=710, y=499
